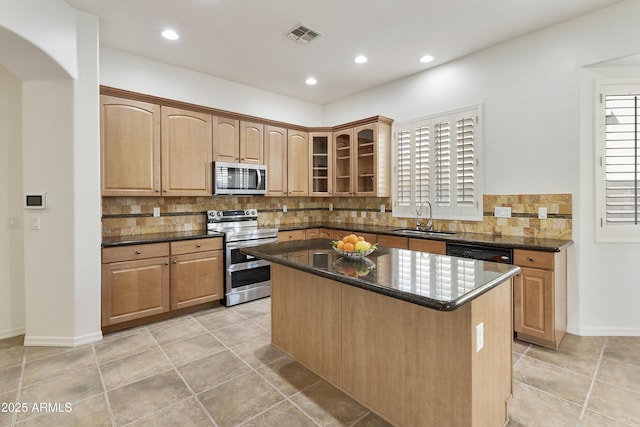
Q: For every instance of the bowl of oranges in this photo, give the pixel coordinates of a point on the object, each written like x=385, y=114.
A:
x=353, y=246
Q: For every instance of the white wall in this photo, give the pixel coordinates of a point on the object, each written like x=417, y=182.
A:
x=125, y=71
x=59, y=144
x=11, y=239
x=539, y=108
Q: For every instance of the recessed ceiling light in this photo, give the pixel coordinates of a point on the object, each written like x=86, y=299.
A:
x=170, y=35
x=426, y=59
x=360, y=59
x=311, y=81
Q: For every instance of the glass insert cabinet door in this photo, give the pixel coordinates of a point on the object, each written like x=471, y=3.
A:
x=343, y=141
x=365, y=159
x=321, y=162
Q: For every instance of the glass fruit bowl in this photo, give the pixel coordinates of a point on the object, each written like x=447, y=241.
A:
x=354, y=267
x=356, y=254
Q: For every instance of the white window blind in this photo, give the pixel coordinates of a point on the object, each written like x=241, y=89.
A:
x=437, y=159
x=620, y=162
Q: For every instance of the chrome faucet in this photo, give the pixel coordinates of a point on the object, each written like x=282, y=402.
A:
x=429, y=225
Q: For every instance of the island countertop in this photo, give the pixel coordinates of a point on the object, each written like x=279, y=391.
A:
x=438, y=282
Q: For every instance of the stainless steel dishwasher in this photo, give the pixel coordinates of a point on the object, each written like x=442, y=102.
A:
x=481, y=252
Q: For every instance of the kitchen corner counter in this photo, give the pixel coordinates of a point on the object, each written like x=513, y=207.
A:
x=438, y=282
x=138, y=239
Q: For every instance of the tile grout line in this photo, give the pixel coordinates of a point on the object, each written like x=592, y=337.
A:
x=286, y=398
x=14, y=416
x=593, y=381
x=194, y=395
x=104, y=387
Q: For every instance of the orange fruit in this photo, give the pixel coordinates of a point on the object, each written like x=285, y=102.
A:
x=348, y=247
x=360, y=239
x=340, y=244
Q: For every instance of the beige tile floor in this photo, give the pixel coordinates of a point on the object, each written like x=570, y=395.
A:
x=217, y=368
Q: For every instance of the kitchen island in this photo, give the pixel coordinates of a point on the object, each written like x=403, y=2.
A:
x=419, y=338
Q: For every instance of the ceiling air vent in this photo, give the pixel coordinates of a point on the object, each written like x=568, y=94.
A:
x=302, y=34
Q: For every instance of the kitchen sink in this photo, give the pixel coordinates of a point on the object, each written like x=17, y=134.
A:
x=414, y=232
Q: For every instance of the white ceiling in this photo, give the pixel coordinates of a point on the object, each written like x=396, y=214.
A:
x=245, y=40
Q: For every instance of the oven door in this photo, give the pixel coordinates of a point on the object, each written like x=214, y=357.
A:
x=247, y=277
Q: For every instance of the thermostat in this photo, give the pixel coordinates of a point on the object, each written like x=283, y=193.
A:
x=35, y=201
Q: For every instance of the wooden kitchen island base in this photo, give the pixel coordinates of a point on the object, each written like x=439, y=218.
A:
x=410, y=364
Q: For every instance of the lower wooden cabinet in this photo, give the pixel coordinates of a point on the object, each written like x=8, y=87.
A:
x=135, y=288
x=540, y=297
x=144, y=280
x=431, y=246
x=196, y=277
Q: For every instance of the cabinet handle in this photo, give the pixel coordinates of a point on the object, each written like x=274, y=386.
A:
x=157, y=191
x=175, y=262
x=164, y=191
x=198, y=246
x=242, y=158
x=138, y=252
x=166, y=263
x=532, y=259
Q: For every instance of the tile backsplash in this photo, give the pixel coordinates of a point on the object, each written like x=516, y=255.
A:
x=123, y=216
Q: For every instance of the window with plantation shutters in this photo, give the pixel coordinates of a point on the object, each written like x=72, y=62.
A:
x=437, y=159
x=619, y=163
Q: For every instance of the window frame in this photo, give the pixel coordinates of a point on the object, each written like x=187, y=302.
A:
x=609, y=232
x=454, y=211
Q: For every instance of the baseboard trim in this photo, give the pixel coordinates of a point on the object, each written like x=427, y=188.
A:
x=34, y=341
x=10, y=333
x=605, y=332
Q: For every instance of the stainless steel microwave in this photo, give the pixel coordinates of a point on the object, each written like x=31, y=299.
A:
x=239, y=178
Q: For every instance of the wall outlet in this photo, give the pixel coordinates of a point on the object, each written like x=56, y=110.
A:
x=284, y=208
x=382, y=208
x=542, y=213
x=502, y=212
x=330, y=206
x=479, y=336
x=156, y=212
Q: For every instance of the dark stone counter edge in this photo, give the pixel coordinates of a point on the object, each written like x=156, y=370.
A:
x=512, y=242
x=393, y=293
x=140, y=239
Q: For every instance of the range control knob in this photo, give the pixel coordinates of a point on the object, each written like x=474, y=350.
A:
x=254, y=212
x=219, y=213
x=247, y=212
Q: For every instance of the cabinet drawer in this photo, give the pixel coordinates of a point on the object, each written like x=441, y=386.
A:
x=393, y=241
x=318, y=233
x=288, y=236
x=134, y=252
x=533, y=259
x=198, y=245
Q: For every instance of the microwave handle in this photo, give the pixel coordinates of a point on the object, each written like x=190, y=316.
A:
x=259, y=178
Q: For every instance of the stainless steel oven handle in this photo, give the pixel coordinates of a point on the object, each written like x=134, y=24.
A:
x=250, y=243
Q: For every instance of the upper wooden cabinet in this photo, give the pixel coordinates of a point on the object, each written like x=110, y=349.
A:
x=286, y=158
x=226, y=140
x=130, y=147
x=362, y=156
x=186, y=153
x=320, y=164
x=238, y=141
x=148, y=150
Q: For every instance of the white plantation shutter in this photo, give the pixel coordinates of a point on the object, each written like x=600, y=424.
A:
x=404, y=169
x=620, y=162
x=437, y=159
x=442, y=163
x=423, y=170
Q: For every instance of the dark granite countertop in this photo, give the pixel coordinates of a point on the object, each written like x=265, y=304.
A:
x=513, y=242
x=156, y=238
x=438, y=282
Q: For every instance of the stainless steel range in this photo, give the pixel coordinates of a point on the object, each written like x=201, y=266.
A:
x=246, y=278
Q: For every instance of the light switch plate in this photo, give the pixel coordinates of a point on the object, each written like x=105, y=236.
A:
x=479, y=336
x=502, y=212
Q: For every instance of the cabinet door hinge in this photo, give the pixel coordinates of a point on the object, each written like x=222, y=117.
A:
x=600, y=98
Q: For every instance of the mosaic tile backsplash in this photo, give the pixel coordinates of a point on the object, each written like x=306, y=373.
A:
x=123, y=216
